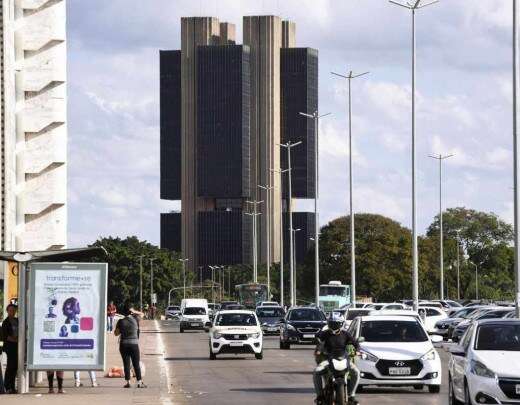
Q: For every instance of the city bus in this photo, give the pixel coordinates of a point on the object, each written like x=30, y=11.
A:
x=249, y=295
x=334, y=296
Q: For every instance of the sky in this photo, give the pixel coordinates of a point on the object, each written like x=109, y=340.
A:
x=464, y=106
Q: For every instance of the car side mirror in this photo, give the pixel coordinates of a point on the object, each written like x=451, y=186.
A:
x=208, y=325
x=282, y=320
x=457, y=350
x=436, y=338
x=361, y=339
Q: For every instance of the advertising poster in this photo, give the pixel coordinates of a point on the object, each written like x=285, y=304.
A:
x=67, y=316
x=11, y=282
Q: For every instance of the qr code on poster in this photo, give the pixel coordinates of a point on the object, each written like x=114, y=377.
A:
x=48, y=326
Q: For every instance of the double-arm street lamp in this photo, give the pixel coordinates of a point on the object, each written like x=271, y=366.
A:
x=413, y=7
x=349, y=78
x=255, y=214
x=268, y=190
x=316, y=117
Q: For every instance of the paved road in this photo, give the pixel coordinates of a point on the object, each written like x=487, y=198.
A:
x=282, y=377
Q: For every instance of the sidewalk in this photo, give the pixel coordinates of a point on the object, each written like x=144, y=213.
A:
x=110, y=390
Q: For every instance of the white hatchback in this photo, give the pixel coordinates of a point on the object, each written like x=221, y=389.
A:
x=235, y=332
x=396, y=351
x=485, y=367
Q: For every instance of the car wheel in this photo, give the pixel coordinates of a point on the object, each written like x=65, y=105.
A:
x=360, y=388
x=212, y=356
x=418, y=387
x=452, y=400
x=259, y=356
x=434, y=389
x=283, y=345
x=181, y=330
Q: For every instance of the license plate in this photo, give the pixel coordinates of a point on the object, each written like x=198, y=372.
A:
x=517, y=389
x=195, y=324
x=236, y=344
x=309, y=336
x=272, y=329
x=399, y=371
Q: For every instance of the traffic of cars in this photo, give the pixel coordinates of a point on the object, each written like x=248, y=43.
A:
x=398, y=346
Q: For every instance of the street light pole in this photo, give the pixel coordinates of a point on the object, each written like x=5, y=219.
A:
x=516, y=152
x=413, y=7
x=316, y=117
x=254, y=214
x=183, y=261
x=440, y=158
x=293, y=253
x=268, y=190
x=458, y=265
x=289, y=145
x=349, y=78
x=151, y=280
x=141, y=282
x=281, y=172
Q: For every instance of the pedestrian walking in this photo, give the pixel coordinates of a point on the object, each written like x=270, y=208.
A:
x=50, y=380
x=111, y=313
x=91, y=374
x=2, y=389
x=10, y=339
x=128, y=330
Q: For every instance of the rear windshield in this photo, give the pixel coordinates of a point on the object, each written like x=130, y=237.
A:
x=498, y=337
x=305, y=314
x=354, y=313
x=173, y=308
x=270, y=312
x=236, y=320
x=194, y=311
x=393, y=331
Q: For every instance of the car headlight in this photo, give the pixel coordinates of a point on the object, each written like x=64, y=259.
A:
x=368, y=356
x=481, y=370
x=290, y=327
x=217, y=335
x=431, y=355
x=254, y=335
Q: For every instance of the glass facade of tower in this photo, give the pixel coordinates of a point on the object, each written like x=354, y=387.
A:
x=223, y=101
x=170, y=120
x=299, y=93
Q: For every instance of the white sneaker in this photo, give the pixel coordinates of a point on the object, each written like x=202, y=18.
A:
x=77, y=383
x=94, y=384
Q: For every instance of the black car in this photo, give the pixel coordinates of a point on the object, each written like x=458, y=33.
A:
x=300, y=326
x=270, y=318
x=462, y=327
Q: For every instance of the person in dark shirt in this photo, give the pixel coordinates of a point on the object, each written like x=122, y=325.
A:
x=128, y=330
x=10, y=338
x=332, y=343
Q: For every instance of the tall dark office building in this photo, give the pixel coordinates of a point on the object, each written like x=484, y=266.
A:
x=224, y=110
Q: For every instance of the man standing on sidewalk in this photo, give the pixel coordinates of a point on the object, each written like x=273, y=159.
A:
x=111, y=313
x=10, y=338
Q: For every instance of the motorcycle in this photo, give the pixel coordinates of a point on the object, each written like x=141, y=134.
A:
x=335, y=389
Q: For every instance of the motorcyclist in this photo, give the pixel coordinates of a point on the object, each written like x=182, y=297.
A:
x=332, y=342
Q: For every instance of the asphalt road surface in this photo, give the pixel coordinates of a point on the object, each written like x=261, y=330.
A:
x=282, y=377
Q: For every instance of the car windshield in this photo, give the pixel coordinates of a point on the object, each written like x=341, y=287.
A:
x=354, y=313
x=494, y=314
x=194, y=311
x=377, y=307
x=499, y=337
x=393, y=331
x=306, y=315
x=270, y=312
x=340, y=291
x=173, y=308
x=236, y=320
x=454, y=304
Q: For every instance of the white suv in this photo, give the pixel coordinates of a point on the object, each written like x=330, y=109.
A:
x=235, y=332
x=396, y=351
x=483, y=368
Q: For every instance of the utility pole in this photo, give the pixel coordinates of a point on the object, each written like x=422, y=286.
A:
x=151, y=280
x=268, y=190
x=516, y=153
x=281, y=172
x=255, y=214
x=183, y=261
x=349, y=78
x=440, y=158
x=316, y=117
x=293, y=253
x=289, y=145
x=413, y=7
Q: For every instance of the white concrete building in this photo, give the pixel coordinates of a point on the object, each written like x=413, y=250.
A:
x=33, y=132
